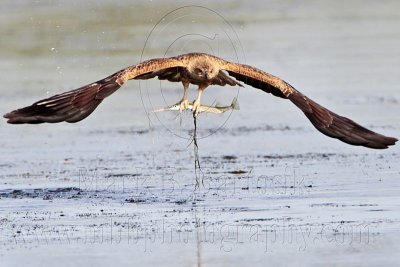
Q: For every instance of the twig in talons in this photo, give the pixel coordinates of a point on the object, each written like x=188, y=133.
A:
x=196, y=110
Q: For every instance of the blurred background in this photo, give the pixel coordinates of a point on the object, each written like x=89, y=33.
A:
x=343, y=54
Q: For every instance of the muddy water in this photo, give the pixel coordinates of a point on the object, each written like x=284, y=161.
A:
x=120, y=187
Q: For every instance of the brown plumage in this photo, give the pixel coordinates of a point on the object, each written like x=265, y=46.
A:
x=202, y=70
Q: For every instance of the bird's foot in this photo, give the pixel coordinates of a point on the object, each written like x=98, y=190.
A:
x=183, y=104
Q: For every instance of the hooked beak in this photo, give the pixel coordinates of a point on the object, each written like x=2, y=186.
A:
x=206, y=75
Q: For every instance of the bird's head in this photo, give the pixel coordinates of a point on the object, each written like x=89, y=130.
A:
x=203, y=70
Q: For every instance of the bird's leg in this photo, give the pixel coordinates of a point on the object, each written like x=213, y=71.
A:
x=184, y=103
x=196, y=103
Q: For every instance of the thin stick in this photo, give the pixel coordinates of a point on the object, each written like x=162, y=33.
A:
x=197, y=167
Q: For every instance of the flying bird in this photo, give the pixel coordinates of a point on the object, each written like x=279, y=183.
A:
x=202, y=70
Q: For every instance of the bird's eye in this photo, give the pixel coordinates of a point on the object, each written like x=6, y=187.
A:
x=198, y=71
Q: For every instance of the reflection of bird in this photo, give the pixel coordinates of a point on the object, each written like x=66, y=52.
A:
x=202, y=70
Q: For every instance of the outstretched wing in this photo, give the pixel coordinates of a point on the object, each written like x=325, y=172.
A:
x=326, y=121
x=75, y=105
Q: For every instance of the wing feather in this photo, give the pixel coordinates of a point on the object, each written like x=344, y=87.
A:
x=324, y=120
x=75, y=105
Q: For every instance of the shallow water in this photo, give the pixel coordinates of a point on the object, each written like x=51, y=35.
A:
x=120, y=187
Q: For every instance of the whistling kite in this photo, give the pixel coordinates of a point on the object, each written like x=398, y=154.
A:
x=202, y=70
